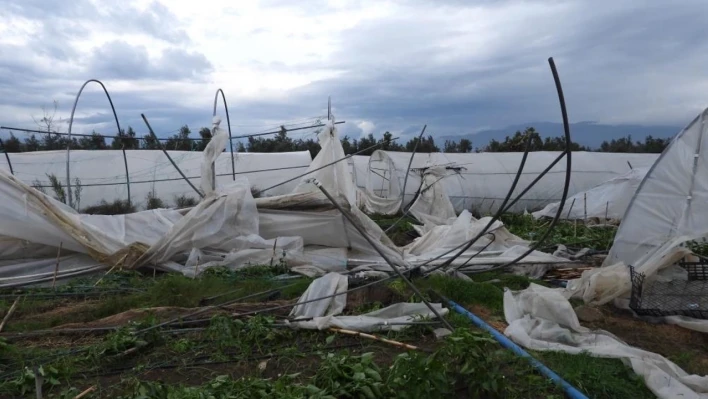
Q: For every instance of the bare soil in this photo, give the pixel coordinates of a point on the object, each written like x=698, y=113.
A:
x=687, y=348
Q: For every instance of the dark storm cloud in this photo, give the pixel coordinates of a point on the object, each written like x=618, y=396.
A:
x=620, y=61
x=120, y=60
x=156, y=20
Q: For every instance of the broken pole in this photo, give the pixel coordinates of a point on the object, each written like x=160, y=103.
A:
x=408, y=171
x=228, y=125
x=570, y=209
x=127, y=175
x=9, y=313
x=56, y=267
x=162, y=147
x=7, y=156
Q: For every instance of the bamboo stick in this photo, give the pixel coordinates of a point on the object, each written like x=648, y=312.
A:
x=374, y=337
x=86, y=392
x=9, y=313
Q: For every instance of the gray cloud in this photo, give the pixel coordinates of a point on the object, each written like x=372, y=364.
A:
x=156, y=20
x=620, y=62
x=120, y=60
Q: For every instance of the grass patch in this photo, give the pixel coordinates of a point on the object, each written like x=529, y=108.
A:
x=402, y=234
x=483, y=293
x=224, y=359
x=165, y=290
x=599, y=378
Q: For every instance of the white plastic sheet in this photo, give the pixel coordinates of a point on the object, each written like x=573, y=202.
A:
x=671, y=201
x=542, y=319
x=480, y=181
x=326, y=313
x=608, y=200
x=100, y=182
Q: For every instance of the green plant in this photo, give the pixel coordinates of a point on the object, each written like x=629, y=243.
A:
x=78, y=188
x=57, y=188
x=117, y=207
x=27, y=381
x=343, y=375
x=182, y=345
x=154, y=202
x=182, y=201
x=468, y=353
x=415, y=375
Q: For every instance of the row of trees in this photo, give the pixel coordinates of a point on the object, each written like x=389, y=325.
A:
x=281, y=142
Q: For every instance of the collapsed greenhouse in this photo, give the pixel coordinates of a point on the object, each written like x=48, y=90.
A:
x=314, y=224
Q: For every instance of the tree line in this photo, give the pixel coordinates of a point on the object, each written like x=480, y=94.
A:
x=281, y=142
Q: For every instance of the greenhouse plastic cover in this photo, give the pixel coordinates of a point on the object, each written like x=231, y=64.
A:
x=226, y=222
x=102, y=173
x=672, y=200
x=608, y=200
x=480, y=181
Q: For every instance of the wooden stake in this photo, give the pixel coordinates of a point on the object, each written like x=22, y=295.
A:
x=607, y=207
x=575, y=229
x=56, y=267
x=570, y=209
x=374, y=337
x=196, y=268
x=275, y=243
x=585, y=200
x=86, y=392
x=107, y=273
x=9, y=313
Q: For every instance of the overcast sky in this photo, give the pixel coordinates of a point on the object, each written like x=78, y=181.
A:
x=459, y=66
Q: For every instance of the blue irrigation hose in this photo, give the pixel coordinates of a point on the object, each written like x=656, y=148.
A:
x=572, y=392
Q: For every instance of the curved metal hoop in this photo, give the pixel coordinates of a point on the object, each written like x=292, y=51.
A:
x=228, y=124
x=71, y=123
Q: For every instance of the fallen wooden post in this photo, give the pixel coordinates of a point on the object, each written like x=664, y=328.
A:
x=9, y=313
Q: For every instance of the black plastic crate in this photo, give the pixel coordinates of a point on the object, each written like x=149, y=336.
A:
x=696, y=270
x=675, y=298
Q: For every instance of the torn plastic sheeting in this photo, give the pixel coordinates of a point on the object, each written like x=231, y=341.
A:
x=29, y=215
x=15, y=248
x=464, y=228
x=118, y=231
x=542, y=319
x=219, y=222
x=337, y=178
x=484, y=178
x=327, y=229
x=388, y=318
x=329, y=284
x=672, y=199
x=608, y=200
x=215, y=147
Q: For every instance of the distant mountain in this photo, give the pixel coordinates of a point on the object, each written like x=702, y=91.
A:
x=589, y=134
